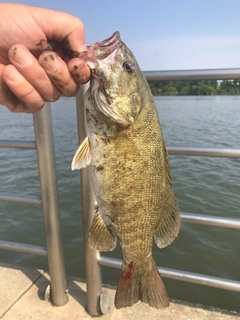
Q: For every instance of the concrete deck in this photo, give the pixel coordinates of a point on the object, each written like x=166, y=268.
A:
x=22, y=291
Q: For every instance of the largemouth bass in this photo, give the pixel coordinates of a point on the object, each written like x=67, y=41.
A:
x=130, y=171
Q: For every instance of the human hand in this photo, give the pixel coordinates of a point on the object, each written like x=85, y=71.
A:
x=36, y=47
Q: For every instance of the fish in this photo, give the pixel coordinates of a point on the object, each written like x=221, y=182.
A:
x=130, y=171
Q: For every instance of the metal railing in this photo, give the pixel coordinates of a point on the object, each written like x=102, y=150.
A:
x=46, y=163
x=202, y=74
x=93, y=258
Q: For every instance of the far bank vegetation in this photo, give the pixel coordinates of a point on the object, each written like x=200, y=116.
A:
x=195, y=88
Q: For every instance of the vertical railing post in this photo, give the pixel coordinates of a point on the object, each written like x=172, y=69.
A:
x=46, y=161
x=93, y=269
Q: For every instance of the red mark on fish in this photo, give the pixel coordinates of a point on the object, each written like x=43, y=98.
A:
x=130, y=272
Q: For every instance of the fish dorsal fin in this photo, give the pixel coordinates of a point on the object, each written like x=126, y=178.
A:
x=168, y=227
x=100, y=236
x=82, y=156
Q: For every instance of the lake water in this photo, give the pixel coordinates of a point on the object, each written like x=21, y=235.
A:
x=202, y=185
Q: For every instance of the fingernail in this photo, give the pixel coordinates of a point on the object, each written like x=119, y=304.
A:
x=22, y=56
x=80, y=71
x=50, y=63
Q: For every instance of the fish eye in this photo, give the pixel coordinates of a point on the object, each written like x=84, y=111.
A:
x=129, y=66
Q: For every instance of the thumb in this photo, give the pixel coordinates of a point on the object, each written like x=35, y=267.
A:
x=61, y=27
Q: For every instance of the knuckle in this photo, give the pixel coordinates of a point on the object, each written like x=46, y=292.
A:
x=67, y=86
x=31, y=101
x=41, y=77
x=37, y=107
x=71, y=92
x=26, y=94
x=54, y=97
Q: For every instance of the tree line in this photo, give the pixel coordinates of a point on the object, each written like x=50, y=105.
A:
x=195, y=88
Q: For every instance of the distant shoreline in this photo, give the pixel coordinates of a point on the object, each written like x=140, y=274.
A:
x=195, y=88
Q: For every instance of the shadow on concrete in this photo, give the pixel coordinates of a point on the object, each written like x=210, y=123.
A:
x=41, y=280
x=32, y=274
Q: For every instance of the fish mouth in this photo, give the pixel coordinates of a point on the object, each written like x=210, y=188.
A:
x=101, y=50
x=104, y=48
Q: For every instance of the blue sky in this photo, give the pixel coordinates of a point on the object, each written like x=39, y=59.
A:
x=164, y=35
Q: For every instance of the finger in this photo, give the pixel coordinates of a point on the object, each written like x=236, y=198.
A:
x=20, y=95
x=29, y=67
x=58, y=72
x=7, y=98
x=79, y=70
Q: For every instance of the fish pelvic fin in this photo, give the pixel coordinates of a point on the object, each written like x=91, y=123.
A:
x=101, y=236
x=141, y=281
x=168, y=228
x=82, y=156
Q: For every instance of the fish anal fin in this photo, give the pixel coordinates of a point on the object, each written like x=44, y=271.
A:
x=82, y=156
x=100, y=236
x=141, y=281
x=168, y=227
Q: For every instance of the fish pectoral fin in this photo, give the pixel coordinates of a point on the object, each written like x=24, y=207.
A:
x=168, y=227
x=82, y=156
x=100, y=236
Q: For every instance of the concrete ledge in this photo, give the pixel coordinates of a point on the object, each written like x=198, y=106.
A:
x=14, y=283
x=22, y=292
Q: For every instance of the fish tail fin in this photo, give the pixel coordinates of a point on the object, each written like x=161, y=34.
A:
x=141, y=281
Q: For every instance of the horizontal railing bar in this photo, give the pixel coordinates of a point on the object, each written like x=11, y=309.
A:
x=20, y=247
x=210, y=220
x=17, y=144
x=182, y=276
x=200, y=279
x=20, y=198
x=204, y=152
x=201, y=74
